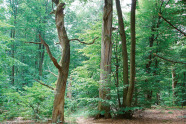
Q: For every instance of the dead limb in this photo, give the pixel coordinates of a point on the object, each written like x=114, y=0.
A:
x=44, y=84
x=84, y=42
x=168, y=59
x=49, y=53
x=172, y=25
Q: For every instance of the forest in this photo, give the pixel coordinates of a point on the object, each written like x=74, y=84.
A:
x=92, y=61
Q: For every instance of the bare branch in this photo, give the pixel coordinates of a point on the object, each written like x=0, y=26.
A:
x=51, y=72
x=84, y=42
x=172, y=25
x=44, y=84
x=168, y=59
x=34, y=42
x=57, y=43
x=49, y=52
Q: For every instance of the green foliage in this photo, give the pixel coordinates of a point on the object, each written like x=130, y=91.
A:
x=83, y=20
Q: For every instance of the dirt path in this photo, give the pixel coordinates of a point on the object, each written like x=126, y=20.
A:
x=150, y=116
x=156, y=116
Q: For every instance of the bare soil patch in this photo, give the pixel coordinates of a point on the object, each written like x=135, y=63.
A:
x=149, y=116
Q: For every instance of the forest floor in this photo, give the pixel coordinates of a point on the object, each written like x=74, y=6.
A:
x=148, y=116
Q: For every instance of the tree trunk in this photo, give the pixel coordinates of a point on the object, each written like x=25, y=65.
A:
x=12, y=55
x=13, y=4
x=174, y=83
x=132, y=55
x=41, y=58
x=117, y=73
x=106, y=52
x=69, y=89
x=124, y=50
x=58, y=107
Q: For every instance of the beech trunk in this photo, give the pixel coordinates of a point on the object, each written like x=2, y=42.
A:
x=106, y=52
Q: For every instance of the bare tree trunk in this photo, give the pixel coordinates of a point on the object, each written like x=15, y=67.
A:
x=58, y=107
x=124, y=50
x=132, y=55
x=106, y=52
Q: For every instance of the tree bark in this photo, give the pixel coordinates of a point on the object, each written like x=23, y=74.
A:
x=132, y=55
x=124, y=50
x=69, y=89
x=58, y=107
x=106, y=52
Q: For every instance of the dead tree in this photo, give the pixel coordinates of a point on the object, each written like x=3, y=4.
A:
x=63, y=64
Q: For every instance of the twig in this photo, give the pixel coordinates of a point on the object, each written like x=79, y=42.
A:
x=172, y=25
x=168, y=59
x=51, y=72
x=44, y=84
x=49, y=53
x=84, y=42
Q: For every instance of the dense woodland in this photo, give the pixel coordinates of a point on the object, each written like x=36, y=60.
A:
x=94, y=58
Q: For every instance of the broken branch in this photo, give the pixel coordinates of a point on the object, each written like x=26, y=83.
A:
x=44, y=84
x=168, y=59
x=172, y=25
x=49, y=53
x=84, y=42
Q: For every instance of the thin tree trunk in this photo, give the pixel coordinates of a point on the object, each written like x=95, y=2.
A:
x=183, y=90
x=12, y=55
x=41, y=58
x=174, y=83
x=13, y=4
x=106, y=52
x=132, y=56
x=117, y=73
x=124, y=50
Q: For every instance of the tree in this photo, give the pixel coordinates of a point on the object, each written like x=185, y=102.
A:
x=13, y=4
x=63, y=65
x=124, y=50
x=106, y=53
x=132, y=54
